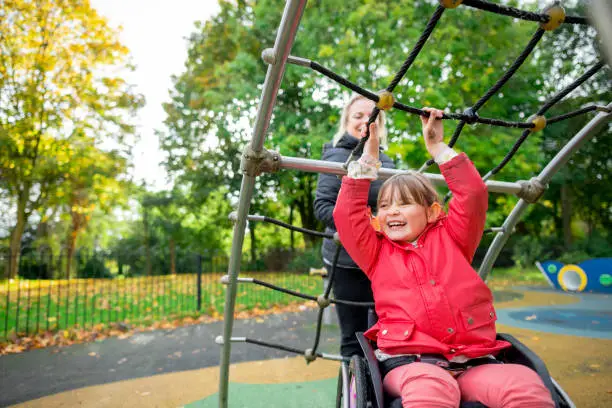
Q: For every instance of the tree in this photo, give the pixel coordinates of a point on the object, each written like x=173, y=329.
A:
x=215, y=100
x=95, y=180
x=56, y=82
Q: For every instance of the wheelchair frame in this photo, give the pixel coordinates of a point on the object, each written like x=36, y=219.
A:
x=372, y=394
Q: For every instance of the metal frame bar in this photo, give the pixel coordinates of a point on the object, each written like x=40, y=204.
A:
x=320, y=166
x=545, y=176
x=282, y=46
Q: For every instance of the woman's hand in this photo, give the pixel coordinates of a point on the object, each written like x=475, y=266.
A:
x=371, y=147
x=433, y=131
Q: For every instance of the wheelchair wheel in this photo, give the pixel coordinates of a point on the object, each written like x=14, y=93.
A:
x=353, y=385
x=358, y=385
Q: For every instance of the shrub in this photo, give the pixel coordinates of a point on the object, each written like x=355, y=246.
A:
x=304, y=260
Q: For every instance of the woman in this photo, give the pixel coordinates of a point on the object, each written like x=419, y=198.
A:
x=350, y=283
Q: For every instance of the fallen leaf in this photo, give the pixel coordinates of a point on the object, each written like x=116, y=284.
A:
x=92, y=354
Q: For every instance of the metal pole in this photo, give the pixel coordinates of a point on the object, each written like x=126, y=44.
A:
x=545, y=175
x=282, y=47
x=600, y=12
x=320, y=166
x=199, y=283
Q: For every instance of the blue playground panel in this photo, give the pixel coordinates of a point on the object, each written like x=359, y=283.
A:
x=594, y=275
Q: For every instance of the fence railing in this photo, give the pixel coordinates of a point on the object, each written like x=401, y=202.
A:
x=40, y=303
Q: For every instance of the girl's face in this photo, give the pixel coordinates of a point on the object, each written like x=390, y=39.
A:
x=358, y=116
x=403, y=222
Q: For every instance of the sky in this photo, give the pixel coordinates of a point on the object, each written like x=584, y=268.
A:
x=155, y=31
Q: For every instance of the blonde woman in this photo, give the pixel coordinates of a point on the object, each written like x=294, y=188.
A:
x=350, y=283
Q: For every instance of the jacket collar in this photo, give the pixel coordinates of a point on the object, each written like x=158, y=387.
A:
x=347, y=141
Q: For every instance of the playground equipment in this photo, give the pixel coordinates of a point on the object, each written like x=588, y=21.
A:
x=256, y=159
x=594, y=275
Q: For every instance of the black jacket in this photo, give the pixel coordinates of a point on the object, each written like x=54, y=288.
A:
x=328, y=187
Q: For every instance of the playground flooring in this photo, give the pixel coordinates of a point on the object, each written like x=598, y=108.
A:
x=571, y=333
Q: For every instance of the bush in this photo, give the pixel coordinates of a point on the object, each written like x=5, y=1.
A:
x=32, y=267
x=94, y=267
x=528, y=249
x=304, y=260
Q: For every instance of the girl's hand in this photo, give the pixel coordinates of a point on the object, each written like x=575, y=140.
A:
x=433, y=131
x=371, y=147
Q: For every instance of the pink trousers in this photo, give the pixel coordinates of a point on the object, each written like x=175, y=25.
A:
x=425, y=385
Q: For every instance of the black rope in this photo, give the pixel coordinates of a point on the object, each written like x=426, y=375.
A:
x=431, y=24
x=332, y=273
x=535, y=38
x=298, y=229
x=506, y=10
x=560, y=95
x=513, y=68
x=279, y=347
x=309, y=297
x=556, y=98
x=318, y=331
x=576, y=20
x=575, y=113
x=417, y=48
x=287, y=291
x=520, y=14
x=343, y=81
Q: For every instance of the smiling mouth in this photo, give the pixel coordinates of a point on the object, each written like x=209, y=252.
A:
x=396, y=225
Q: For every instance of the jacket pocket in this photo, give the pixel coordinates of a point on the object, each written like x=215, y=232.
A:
x=478, y=315
x=395, y=332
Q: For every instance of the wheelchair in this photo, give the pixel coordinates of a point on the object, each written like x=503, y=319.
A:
x=360, y=380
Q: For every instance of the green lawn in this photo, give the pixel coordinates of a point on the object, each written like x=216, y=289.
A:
x=30, y=306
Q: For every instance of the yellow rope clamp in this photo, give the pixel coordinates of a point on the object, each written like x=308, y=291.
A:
x=450, y=4
x=556, y=15
x=385, y=100
x=539, y=122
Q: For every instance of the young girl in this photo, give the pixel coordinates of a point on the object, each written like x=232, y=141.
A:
x=434, y=312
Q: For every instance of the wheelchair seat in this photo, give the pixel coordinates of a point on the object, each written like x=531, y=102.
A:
x=517, y=354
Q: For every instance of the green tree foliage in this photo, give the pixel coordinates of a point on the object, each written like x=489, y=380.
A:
x=58, y=85
x=214, y=102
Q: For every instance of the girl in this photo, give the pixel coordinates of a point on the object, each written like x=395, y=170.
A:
x=434, y=312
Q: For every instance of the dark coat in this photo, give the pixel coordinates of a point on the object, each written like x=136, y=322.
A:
x=328, y=187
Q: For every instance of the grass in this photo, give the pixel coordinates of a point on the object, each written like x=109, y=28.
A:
x=516, y=276
x=32, y=306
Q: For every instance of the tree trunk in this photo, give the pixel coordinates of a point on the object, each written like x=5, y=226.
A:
x=172, y=256
x=145, y=220
x=291, y=233
x=17, y=233
x=72, y=238
x=566, y=215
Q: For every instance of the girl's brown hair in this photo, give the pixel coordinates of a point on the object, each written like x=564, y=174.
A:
x=409, y=188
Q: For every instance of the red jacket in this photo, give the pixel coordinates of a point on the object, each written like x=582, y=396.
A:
x=428, y=298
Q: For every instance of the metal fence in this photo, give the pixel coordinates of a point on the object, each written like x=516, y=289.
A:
x=100, y=289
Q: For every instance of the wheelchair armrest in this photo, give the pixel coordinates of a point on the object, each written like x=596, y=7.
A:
x=376, y=379
x=521, y=354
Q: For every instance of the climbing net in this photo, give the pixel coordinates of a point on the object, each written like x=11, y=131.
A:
x=256, y=159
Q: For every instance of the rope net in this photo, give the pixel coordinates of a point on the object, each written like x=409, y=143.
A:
x=549, y=19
